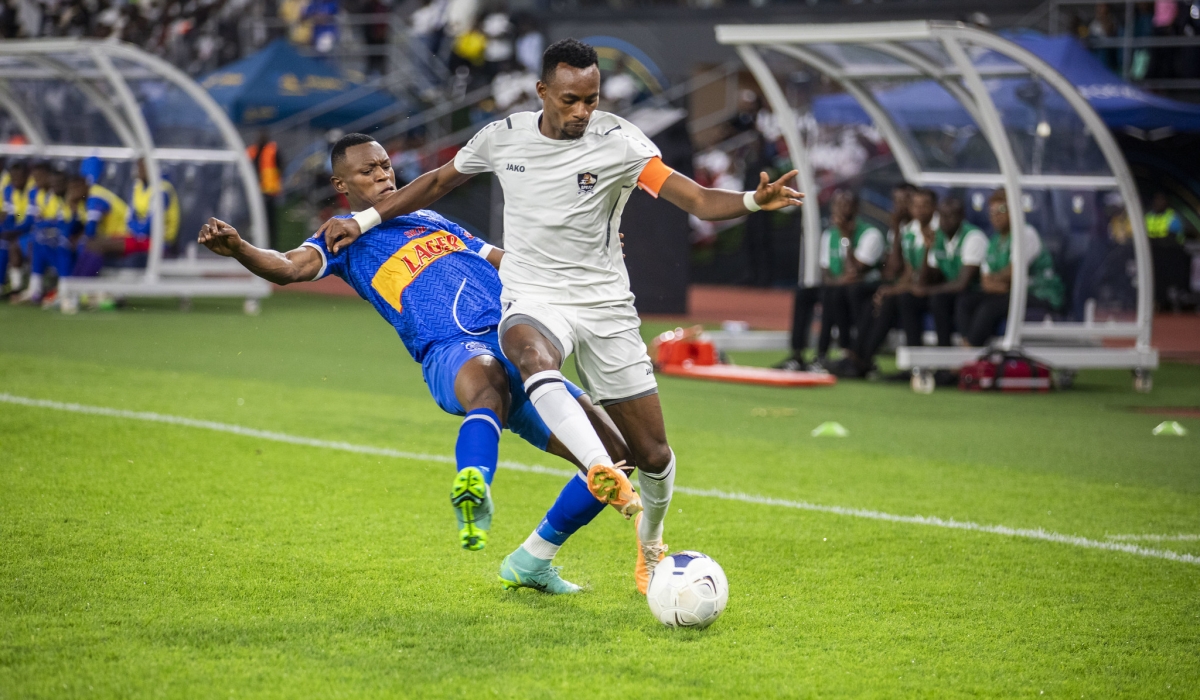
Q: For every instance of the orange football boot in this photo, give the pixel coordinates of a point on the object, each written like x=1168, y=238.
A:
x=610, y=485
x=649, y=555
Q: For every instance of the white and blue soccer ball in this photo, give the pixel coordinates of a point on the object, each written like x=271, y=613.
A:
x=687, y=589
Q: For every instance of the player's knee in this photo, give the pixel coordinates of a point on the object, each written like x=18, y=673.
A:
x=654, y=459
x=531, y=360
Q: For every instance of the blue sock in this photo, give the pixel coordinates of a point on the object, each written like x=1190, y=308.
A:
x=479, y=442
x=574, y=508
x=3, y=261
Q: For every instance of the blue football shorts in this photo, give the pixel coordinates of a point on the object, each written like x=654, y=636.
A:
x=446, y=358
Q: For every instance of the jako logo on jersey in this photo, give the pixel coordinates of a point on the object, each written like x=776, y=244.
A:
x=515, y=168
x=409, y=262
x=587, y=182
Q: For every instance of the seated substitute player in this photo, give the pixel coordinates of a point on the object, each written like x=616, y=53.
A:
x=16, y=225
x=48, y=212
x=437, y=285
x=567, y=172
x=979, y=312
x=951, y=269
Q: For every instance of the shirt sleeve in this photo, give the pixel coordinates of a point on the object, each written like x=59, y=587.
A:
x=654, y=174
x=639, y=152
x=823, y=254
x=330, y=264
x=476, y=156
x=974, y=248
x=1033, y=244
x=870, y=247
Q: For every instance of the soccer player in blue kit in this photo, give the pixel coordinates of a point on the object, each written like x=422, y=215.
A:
x=438, y=286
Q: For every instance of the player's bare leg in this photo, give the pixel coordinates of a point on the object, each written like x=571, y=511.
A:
x=539, y=362
x=481, y=387
x=640, y=421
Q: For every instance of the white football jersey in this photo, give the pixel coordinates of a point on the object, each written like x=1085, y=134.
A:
x=562, y=205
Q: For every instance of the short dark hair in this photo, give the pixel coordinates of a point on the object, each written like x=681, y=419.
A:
x=572, y=52
x=847, y=193
x=338, y=153
x=926, y=192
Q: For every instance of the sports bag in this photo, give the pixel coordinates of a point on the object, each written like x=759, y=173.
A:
x=1005, y=371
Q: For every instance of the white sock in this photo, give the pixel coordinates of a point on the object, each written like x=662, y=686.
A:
x=539, y=547
x=35, y=284
x=14, y=277
x=565, y=418
x=656, y=490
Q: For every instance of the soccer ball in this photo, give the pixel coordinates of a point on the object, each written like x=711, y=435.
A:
x=687, y=589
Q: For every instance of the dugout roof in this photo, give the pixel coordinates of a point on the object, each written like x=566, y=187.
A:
x=1053, y=140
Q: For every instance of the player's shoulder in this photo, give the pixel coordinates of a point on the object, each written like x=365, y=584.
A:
x=518, y=126
x=610, y=126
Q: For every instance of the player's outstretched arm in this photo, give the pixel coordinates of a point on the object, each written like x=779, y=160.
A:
x=716, y=205
x=299, y=265
x=418, y=194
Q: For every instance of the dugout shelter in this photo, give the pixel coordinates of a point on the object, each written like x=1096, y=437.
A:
x=70, y=99
x=1053, y=143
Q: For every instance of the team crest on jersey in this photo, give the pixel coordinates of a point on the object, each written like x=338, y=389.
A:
x=587, y=182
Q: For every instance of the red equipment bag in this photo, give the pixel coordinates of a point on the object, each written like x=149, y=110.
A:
x=685, y=348
x=1004, y=371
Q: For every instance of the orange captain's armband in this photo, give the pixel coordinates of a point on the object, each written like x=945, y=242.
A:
x=653, y=176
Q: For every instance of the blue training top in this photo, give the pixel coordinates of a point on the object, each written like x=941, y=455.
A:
x=424, y=275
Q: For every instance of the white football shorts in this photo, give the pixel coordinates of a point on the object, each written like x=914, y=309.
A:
x=609, y=353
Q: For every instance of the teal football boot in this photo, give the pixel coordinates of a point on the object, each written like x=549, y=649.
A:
x=472, y=500
x=522, y=570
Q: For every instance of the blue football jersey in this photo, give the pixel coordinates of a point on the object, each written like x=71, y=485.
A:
x=424, y=275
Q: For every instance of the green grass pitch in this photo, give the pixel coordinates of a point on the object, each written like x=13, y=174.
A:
x=144, y=559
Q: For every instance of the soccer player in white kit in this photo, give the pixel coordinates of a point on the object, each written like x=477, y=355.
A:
x=567, y=172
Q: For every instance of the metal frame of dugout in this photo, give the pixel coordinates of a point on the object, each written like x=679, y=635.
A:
x=101, y=71
x=944, y=52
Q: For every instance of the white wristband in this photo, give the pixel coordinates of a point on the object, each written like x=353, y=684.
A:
x=748, y=201
x=367, y=219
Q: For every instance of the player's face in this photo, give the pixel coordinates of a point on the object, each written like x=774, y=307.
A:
x=998, y=213
x=76, y=190
x=922, y=208
x=141, y=171
x=569, y=99
x=41, y=177
x=843, y=210
x=365, y=176
x=951, y=214
x=19, y=174
x=900, y=201
x=58, y=183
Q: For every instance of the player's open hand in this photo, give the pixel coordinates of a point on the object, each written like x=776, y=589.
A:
x=339, y=233
x=220, y=237
x=772, y=196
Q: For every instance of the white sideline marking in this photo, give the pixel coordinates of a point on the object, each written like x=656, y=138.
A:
x=1155, y=538
x=1037, y=534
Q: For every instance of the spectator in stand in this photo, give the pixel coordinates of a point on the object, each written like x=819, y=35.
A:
x=951, y=269
x=1104, y=26
x=513, y=85
x=468, y=51
x=269, y=166
x=531, y=43
x=978, y=313
x=323, y=15
x=375, y=35
x=620, y=89
x=498, y=52
x=428, y=24
x=883, y=312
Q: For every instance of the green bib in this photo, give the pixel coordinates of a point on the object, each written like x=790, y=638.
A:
x=837, y=260
x=1044, y=283
x=950, y=263
x=912, y=247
